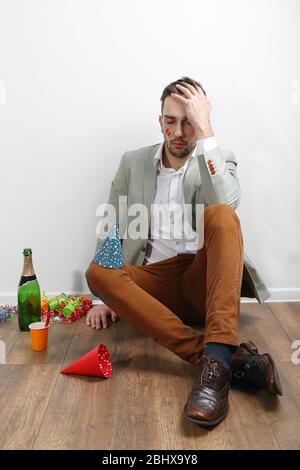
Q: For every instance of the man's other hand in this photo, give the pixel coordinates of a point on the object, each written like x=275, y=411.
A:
x=99, y=316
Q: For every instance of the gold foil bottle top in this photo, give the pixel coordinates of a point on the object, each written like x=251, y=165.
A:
x=28, y=269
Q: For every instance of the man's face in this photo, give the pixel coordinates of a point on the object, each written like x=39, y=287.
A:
x=179, y=135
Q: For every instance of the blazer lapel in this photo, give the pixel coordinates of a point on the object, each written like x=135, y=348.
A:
x=191, y=180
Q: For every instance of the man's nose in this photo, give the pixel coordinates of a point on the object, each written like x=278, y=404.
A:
x=178, y=131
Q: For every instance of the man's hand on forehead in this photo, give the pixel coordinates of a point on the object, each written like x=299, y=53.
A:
x=197, y=108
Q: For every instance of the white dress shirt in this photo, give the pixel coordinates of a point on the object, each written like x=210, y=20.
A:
x=165, y=241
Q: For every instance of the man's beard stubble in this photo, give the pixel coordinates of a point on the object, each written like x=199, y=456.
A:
x=180, y=153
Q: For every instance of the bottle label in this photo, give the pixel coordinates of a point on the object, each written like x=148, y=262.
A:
x=25, y=279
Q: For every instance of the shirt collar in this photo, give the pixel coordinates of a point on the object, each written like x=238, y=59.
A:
x=157, y=159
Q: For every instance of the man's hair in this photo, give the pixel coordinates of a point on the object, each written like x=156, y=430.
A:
x=171, y=88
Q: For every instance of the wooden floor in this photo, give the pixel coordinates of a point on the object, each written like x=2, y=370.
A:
x=140, y=406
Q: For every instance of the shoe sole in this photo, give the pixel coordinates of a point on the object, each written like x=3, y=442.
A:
x=276, y=388
x=206, y=424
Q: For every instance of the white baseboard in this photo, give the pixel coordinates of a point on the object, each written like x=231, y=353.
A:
x=288, y=294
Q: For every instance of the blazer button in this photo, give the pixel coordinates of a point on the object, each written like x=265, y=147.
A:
x=144, y=248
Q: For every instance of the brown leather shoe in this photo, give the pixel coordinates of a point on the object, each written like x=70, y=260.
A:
x=250, y=367
x=207, y=403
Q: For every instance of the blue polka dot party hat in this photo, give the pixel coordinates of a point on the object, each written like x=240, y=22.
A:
x=110, y=255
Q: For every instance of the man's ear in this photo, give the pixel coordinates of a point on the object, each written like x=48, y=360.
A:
x=160, y=122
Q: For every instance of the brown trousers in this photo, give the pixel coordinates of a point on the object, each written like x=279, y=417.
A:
x=159, y=299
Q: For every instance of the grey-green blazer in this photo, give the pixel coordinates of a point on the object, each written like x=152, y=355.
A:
x=136, y=179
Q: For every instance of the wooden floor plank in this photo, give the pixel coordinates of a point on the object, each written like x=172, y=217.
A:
x=288, y=315
x=24, y=395
x=58, y=342
x=82, y=411
x=140, y=406
x=262, y=325
x=287, y=433
x=9, y=333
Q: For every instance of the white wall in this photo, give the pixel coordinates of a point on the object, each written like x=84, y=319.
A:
x=80, y=83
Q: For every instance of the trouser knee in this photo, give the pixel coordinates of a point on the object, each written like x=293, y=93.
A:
x=219, y=216
x=96, y=279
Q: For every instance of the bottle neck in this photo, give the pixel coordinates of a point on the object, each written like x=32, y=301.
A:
x=28, y=266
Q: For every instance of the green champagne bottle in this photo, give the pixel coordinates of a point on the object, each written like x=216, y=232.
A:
x=29, y=294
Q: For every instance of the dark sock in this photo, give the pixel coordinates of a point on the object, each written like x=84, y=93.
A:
x=220, y=351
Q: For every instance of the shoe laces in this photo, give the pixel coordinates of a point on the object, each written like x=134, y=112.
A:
x=210, y=371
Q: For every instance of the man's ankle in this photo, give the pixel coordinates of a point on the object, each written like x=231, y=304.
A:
x=223, y=352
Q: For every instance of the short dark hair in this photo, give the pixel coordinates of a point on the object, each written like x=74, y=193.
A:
x=171, y=88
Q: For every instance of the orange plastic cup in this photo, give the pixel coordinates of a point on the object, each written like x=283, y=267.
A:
x=39, y=335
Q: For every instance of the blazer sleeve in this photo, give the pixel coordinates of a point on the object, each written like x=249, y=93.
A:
x=219, y=177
